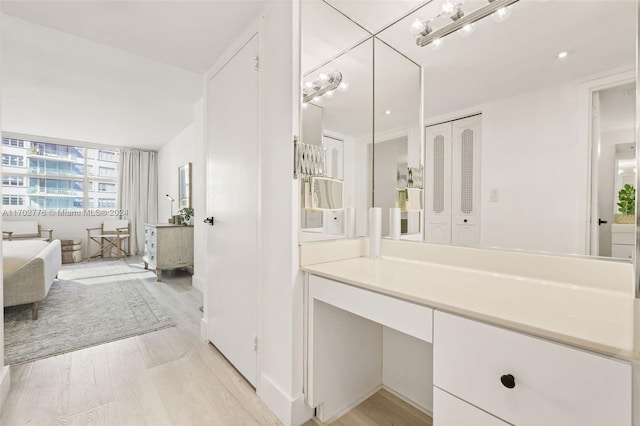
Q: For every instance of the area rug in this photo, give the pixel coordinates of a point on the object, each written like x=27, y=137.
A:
x=82, y=312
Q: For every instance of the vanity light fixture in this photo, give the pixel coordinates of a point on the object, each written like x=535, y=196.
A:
x=326, y=84
x=460, y=21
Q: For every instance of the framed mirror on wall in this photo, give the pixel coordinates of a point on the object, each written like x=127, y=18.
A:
x=184, y=186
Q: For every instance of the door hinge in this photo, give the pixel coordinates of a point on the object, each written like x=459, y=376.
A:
x=256, y=58
x=255, y=343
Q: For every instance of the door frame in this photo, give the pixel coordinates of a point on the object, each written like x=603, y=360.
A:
x=252, y=30
x=588, y=213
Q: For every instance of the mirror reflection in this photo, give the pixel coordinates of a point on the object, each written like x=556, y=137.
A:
x=398, y=154
x=530, y=128
x=337, y=118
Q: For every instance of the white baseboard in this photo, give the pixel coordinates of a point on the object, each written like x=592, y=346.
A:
x=5, y=385
x=197, y=283
x=290, y=411
x=408, y=401
x=204, y=335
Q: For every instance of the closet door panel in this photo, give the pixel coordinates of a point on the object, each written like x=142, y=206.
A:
x=438, y=184
x=465, y=178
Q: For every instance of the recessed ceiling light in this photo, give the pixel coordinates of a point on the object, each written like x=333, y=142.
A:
x=388, y=112
x=563, y=54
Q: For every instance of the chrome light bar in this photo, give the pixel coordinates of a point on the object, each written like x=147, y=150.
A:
x=476, y=15
x=322, y=86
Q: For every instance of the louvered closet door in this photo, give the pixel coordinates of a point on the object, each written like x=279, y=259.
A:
x=465, y=172
x=438, y=184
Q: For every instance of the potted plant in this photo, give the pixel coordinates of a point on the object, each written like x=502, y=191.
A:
x=186, y=213
x=626, y=205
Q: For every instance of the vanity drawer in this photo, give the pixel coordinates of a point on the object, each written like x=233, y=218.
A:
x=451, y=411
x=554, y=384
x=406, y=317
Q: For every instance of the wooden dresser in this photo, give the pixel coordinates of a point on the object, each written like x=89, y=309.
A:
x=167, y=246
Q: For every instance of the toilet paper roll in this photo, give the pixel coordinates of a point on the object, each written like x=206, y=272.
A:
x=394, y=223
x=375, y=232
x=350, y=222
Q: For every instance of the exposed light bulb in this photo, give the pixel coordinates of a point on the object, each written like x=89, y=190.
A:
x=316, y=99
x=323, y=77
x=388, y=112
x=467, y=30
x=436, y=43
x=344, y=86
x=501, y=14
x=329, y=93
x=305, y=105
x=457, y=14
x=308, y=85
x=417, y=26
x=563, y=54
x=448, y=7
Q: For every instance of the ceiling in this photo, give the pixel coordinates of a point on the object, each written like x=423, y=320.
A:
x=185, y=34
x=123, y=73
x=520, y=54
x=503, y=59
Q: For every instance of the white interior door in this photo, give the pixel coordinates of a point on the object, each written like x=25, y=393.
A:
x=232, y=199
x=465, y=172
x=438, y=184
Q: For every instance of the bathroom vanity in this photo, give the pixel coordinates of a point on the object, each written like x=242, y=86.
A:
x=469, y=344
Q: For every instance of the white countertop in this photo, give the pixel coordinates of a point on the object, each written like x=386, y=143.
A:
x=594, y=319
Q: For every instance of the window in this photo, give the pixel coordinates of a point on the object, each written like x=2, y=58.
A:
x=12, y=160
x=13, y=200
x=57, y=175
x=106, y=202
x=13, y=142
x=12, y=180
x=106, y=187
x=107, y=156
x=106, y=172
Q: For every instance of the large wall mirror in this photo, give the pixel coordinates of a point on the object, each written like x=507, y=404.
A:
x=526, y=135
x=529, y=128
x=337, y=124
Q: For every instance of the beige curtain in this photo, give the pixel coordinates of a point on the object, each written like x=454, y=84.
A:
x=138, y=191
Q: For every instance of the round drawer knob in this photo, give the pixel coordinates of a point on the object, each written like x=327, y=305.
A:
x=508, y=381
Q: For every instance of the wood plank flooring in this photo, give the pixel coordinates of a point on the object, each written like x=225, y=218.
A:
x=381, y=409
x=167, y=377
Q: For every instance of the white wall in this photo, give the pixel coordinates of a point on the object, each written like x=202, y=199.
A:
x=186, y=147
x=179, y=151
x=280, y=328
x=530, y=154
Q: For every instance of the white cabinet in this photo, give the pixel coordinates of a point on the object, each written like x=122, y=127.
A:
x=167, y=246
x=525, y=380
x=623, y=240
x=452, y=199
x=453, y=411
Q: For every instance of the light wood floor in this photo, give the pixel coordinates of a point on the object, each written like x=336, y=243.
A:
x=167, y=377
x=382, y=409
